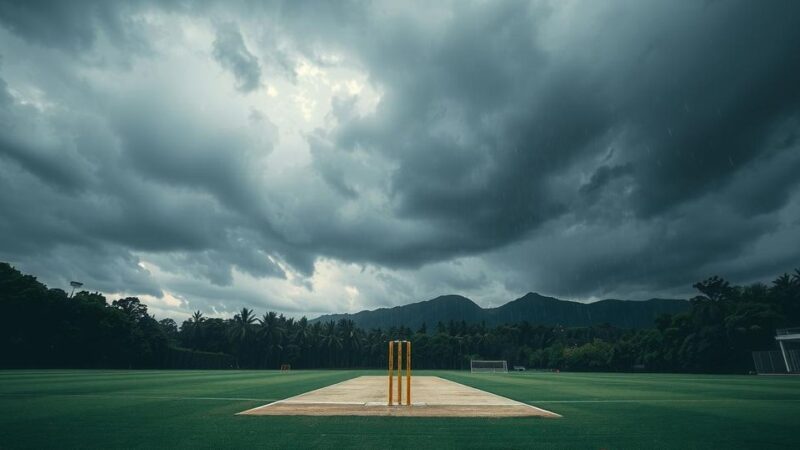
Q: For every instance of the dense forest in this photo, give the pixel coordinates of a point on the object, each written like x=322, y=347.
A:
x=43, y=327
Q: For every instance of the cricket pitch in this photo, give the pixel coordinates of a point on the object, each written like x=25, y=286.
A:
x=431, y=397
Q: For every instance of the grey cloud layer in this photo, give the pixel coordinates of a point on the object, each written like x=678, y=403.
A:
x=492, y=133
x=578, y=149
x=232, y=53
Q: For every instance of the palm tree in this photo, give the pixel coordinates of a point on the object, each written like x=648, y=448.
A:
x=243, y=324
x=715, y=290
x=315, y=342
x=241, y=330
x=376, y=345
x=330, y=341
x=197, y=317
x=302, y=338
x=351, y=342
x=195, y=329
x=272, y=334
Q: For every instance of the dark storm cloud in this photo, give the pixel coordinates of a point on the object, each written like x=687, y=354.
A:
x=39, y=163
x=86, y=224
x=705, y=101
x=163, y=144
x=578, y=149
x=72, y=26
x=474, y=127
x=232, y=53
x=5, y=97
x=603, y=176
x=36, y=154
x=488, y=119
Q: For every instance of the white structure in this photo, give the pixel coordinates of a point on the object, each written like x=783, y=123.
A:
x=786, y=338
x=478, y=366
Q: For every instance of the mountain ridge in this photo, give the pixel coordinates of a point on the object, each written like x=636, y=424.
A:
x=531, y=307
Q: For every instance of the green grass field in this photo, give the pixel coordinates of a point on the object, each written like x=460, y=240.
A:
x=147, y=409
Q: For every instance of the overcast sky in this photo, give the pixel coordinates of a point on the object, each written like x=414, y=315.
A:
x=312, y=157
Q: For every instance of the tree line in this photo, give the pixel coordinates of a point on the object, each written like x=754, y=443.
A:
x=43, y=327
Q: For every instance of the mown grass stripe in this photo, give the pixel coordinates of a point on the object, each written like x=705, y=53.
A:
x=137, y=396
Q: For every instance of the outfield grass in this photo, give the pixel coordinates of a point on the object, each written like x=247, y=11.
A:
x=147, y=409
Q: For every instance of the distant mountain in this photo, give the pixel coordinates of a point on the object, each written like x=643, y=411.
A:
x=534, y=308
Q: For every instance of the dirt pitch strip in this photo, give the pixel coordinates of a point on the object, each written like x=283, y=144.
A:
x=367, y=396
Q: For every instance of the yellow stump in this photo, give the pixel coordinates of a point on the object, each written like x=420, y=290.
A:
x=408, y=373
x=391, y=363
x=396, y=362
x=399, y=373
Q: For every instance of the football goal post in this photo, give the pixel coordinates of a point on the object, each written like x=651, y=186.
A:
x=479, y=366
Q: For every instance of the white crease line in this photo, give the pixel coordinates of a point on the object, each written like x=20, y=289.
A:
x=300, y=402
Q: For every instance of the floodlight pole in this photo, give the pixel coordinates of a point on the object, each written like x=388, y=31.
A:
x=785, y=359
x=74, y=284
